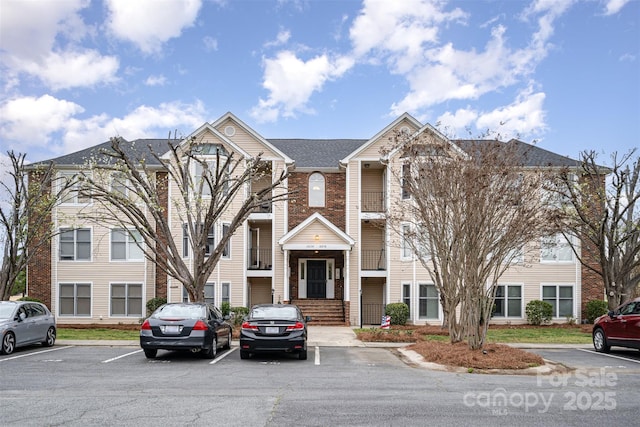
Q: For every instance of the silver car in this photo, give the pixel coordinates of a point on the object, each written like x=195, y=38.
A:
x=23, y=323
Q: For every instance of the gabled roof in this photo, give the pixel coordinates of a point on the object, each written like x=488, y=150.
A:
x=317, y=153
x=346, y=242
x=214, y=131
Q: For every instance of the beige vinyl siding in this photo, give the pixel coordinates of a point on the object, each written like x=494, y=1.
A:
x=260, y=291
x=325, y=235
x=245, y=140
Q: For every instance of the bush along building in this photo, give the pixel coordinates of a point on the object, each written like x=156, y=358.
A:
x=327, y=248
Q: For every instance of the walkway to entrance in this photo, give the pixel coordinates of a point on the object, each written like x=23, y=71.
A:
x=332, y=336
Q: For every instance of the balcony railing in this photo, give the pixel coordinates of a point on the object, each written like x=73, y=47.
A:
x=259, y=259
x=374, y=260
x=263, y=208
x=372, y=314
x=373, y=201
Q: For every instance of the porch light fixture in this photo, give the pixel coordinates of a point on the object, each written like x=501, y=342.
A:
x=316, y=237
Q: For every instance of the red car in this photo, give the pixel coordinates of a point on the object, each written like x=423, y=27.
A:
x=620, y=327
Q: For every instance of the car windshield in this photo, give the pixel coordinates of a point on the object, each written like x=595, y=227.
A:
x=182, y=311
x=6, y=311
x=274, y=313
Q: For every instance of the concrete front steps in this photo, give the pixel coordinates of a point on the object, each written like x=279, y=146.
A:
x=326, y=312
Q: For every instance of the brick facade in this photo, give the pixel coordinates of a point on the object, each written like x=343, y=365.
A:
x=163, y=198
x=335, y=199
x=39, y=265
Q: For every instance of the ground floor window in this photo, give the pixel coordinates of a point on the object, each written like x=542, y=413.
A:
x=209, y=293
x=406, y=296
x=226, y=292
x=508, y=302
x=428, y=302
x=560, y=297
x=126, y=299
x=75, y=299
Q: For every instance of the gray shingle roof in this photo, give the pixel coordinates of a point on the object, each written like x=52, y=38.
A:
x=317, y=153
x=531, y=155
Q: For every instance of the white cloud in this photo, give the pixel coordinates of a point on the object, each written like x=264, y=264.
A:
x=210, y=44
x=462, y=119
x=614, y=6
x=29, y=123
x=524, y=117
x=150, y=23
x=291, y=81
x=281, y=39
x=156, y=80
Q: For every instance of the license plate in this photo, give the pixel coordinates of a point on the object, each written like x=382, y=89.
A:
x=272, y=330
x=172, y=329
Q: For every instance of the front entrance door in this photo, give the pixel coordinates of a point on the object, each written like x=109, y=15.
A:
x=316, y=279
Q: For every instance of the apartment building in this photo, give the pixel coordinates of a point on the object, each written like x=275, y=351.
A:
x=326, y=249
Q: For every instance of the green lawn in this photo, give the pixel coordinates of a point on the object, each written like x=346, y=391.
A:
x=546, y=335
x=96, y=334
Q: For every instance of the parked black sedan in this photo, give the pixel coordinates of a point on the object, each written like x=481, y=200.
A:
x=196, y=327
x=274, y=327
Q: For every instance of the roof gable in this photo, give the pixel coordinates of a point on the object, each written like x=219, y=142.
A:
x=316, y=232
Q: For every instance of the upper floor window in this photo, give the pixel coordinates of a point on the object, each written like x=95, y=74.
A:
x=119, y=184
x=74, y=195
x=226, y=251
x=405, y=249
x=125, y=245
x=75, y=244
x=555, y=249
x=316, y=190
x=406, y=175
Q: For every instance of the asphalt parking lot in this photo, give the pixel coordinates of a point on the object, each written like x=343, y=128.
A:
x=90, y=385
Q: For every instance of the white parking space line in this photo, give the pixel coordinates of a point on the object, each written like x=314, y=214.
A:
x=121, y=356
x=35, y=353
x=609, y=355
x=317, y=358
x=222, y=356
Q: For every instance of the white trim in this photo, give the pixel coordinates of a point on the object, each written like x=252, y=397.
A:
x=349, y=242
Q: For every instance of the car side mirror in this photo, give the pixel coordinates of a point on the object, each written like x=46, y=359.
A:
x=21, y=317
x=612, y=314
x=307, y=319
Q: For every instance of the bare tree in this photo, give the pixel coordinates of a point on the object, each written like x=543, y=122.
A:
x=25, y=215
x=129, y=193
x=602, y=209
x=466, y=215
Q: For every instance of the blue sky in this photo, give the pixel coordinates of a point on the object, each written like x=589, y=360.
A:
x=75, y=72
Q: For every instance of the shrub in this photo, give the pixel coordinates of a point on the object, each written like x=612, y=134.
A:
x=539, y=312
x=29, y=299
x=596, y=308
x=225, y=308
x=238, y=314
x=154, y=303
x=399, y=313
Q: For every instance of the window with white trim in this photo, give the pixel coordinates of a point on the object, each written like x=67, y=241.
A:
x=508, y=302
x=555, y=249
x=211, y=241
x=428, y=301
x=126, y=299
x=316, y=190
x=185, y=240
x=406, y=175
x=406, y=296
x=226, y=250
x=405, y=249
x=75, y=244
x=226, y=292
x=209, y=293
x=560, y=297
x=119, y=184
x=74, y=194
x=74, y=299
x=126, y=245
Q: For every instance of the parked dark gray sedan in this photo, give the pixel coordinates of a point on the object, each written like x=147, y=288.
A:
x=274, y=328
x=23, y=323
x=196, y=327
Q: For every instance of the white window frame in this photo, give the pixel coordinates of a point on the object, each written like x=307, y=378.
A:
x=553, y=245
x=557, y=298
x=317, y=196
x=71, y=196
x=127, y=298
x=63, y=232
x=225, y=292
x=130, y=245
x=406, y=252
x=75, y=299
x=226, y=250
x=407, y=299
x=506, y=298
x=210, y=286
x=427, y=299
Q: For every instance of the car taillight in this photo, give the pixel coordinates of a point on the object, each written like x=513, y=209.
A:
x=200, y=326
x=249, y=326
x=297, y=327
x=146, y=326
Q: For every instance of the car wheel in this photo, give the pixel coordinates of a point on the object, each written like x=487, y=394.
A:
x=212, y=351
x=150, y=353
x=244, y=354
x=8, y=343
x=227, y=346
x=600, y=341
x=50, y=339
x=302, y=355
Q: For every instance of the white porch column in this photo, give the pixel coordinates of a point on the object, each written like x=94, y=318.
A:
x=287, y=272
x=347, y=288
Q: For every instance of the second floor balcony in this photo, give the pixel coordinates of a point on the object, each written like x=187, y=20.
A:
x=373, y=201
x=375, y=260
x=259, y=259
